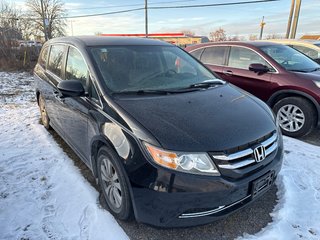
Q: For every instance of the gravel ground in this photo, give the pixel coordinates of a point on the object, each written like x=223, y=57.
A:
x=313, y=138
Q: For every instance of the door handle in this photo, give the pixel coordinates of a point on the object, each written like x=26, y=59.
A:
x=228, y=72
x=58, y=96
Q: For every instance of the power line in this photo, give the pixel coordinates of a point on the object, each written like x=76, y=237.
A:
x=108, y=13
x=172, y=7
x=164, y=7
x=130, y=5
x=214, y=4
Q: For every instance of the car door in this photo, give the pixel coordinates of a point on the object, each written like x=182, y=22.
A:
x=74, y=116
x=237, y=72
x=53, y=74
x=214, y=57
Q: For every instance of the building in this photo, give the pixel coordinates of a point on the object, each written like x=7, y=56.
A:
x=310, y=37
x=179, y=39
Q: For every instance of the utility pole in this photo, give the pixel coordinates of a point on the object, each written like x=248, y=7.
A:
x=44, y=22
x=290, y=19
x=146, y=16
x=293, y=23
x=261, y=27
x=295, y=19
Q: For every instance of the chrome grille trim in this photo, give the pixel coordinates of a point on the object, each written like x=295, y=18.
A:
x=229, y=161
x=238, y=164
x=234, y=156
x=216, y=210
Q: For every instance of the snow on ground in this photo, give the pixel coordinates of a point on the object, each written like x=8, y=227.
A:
x=297, y=214
x=43, y=195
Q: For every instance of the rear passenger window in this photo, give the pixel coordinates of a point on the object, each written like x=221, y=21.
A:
x=76, y=66
x=56, y=59
x=43, y=57
x=197, y=53
x=214, y=55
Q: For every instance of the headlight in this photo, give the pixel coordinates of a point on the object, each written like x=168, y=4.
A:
x=196, y=163
x=317, y=83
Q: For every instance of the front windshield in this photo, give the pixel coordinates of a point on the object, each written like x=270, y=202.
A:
x=142, y=68
x=289, y=58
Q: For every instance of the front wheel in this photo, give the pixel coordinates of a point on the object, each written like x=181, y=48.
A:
x=113, y=184
x=295, y=115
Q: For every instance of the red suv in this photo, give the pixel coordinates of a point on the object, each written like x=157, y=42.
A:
x=286, y=79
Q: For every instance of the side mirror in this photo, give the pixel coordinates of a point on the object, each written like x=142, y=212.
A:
x=317, y=60
x=258, y=68
x=71, y=88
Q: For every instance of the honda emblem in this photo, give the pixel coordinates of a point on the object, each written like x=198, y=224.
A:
x=259, y=153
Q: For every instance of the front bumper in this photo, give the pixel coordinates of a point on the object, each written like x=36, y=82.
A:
x=181, y=200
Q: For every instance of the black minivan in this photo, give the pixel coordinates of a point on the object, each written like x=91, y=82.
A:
x=167, y=140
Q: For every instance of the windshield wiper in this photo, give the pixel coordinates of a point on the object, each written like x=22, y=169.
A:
x=207, y=84
x=305, y=71
x=298, y=70
x=164, y=92
x=316, y=69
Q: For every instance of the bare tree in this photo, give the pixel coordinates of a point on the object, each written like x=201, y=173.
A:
x=53, y=12
x=9, y=32
x=218, y=35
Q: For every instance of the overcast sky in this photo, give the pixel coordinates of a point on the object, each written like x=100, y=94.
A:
x=241, y=20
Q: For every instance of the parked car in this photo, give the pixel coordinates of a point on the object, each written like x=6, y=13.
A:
x=32, y=43
x=165, y=138
x=309, y=48
x=281, y=76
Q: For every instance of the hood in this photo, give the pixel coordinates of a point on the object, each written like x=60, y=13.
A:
x=309, y=75
x=215, y=119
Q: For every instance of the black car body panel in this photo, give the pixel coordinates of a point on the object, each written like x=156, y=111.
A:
x=189, y=128
x=218, y=120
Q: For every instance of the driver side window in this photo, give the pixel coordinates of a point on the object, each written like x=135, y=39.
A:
x=242, y=58
x=76, y=66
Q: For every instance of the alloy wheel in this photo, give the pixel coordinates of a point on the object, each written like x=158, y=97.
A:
x=111, y=184
x=290, y=118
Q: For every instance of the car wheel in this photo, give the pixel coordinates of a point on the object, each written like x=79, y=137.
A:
x=295, y=115
x=43, y=113
x=113, y=184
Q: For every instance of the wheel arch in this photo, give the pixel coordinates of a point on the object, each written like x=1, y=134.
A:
x=293, y=93
x=96, y=143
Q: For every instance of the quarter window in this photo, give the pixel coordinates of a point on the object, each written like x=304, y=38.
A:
x=56, y=59
x=214, y=55
x=43, y=57
x=243, y=57
x=197, y=53
x=76, y=68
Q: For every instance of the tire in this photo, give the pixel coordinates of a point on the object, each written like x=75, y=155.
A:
x=43, y=113
x=113, y=183
x=296, y=116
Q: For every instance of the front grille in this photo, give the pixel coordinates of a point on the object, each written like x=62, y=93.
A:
x=245, y=157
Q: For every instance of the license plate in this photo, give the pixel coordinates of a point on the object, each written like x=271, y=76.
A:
x=262, y=184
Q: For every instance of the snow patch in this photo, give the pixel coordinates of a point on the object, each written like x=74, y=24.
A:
x=42, y=194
